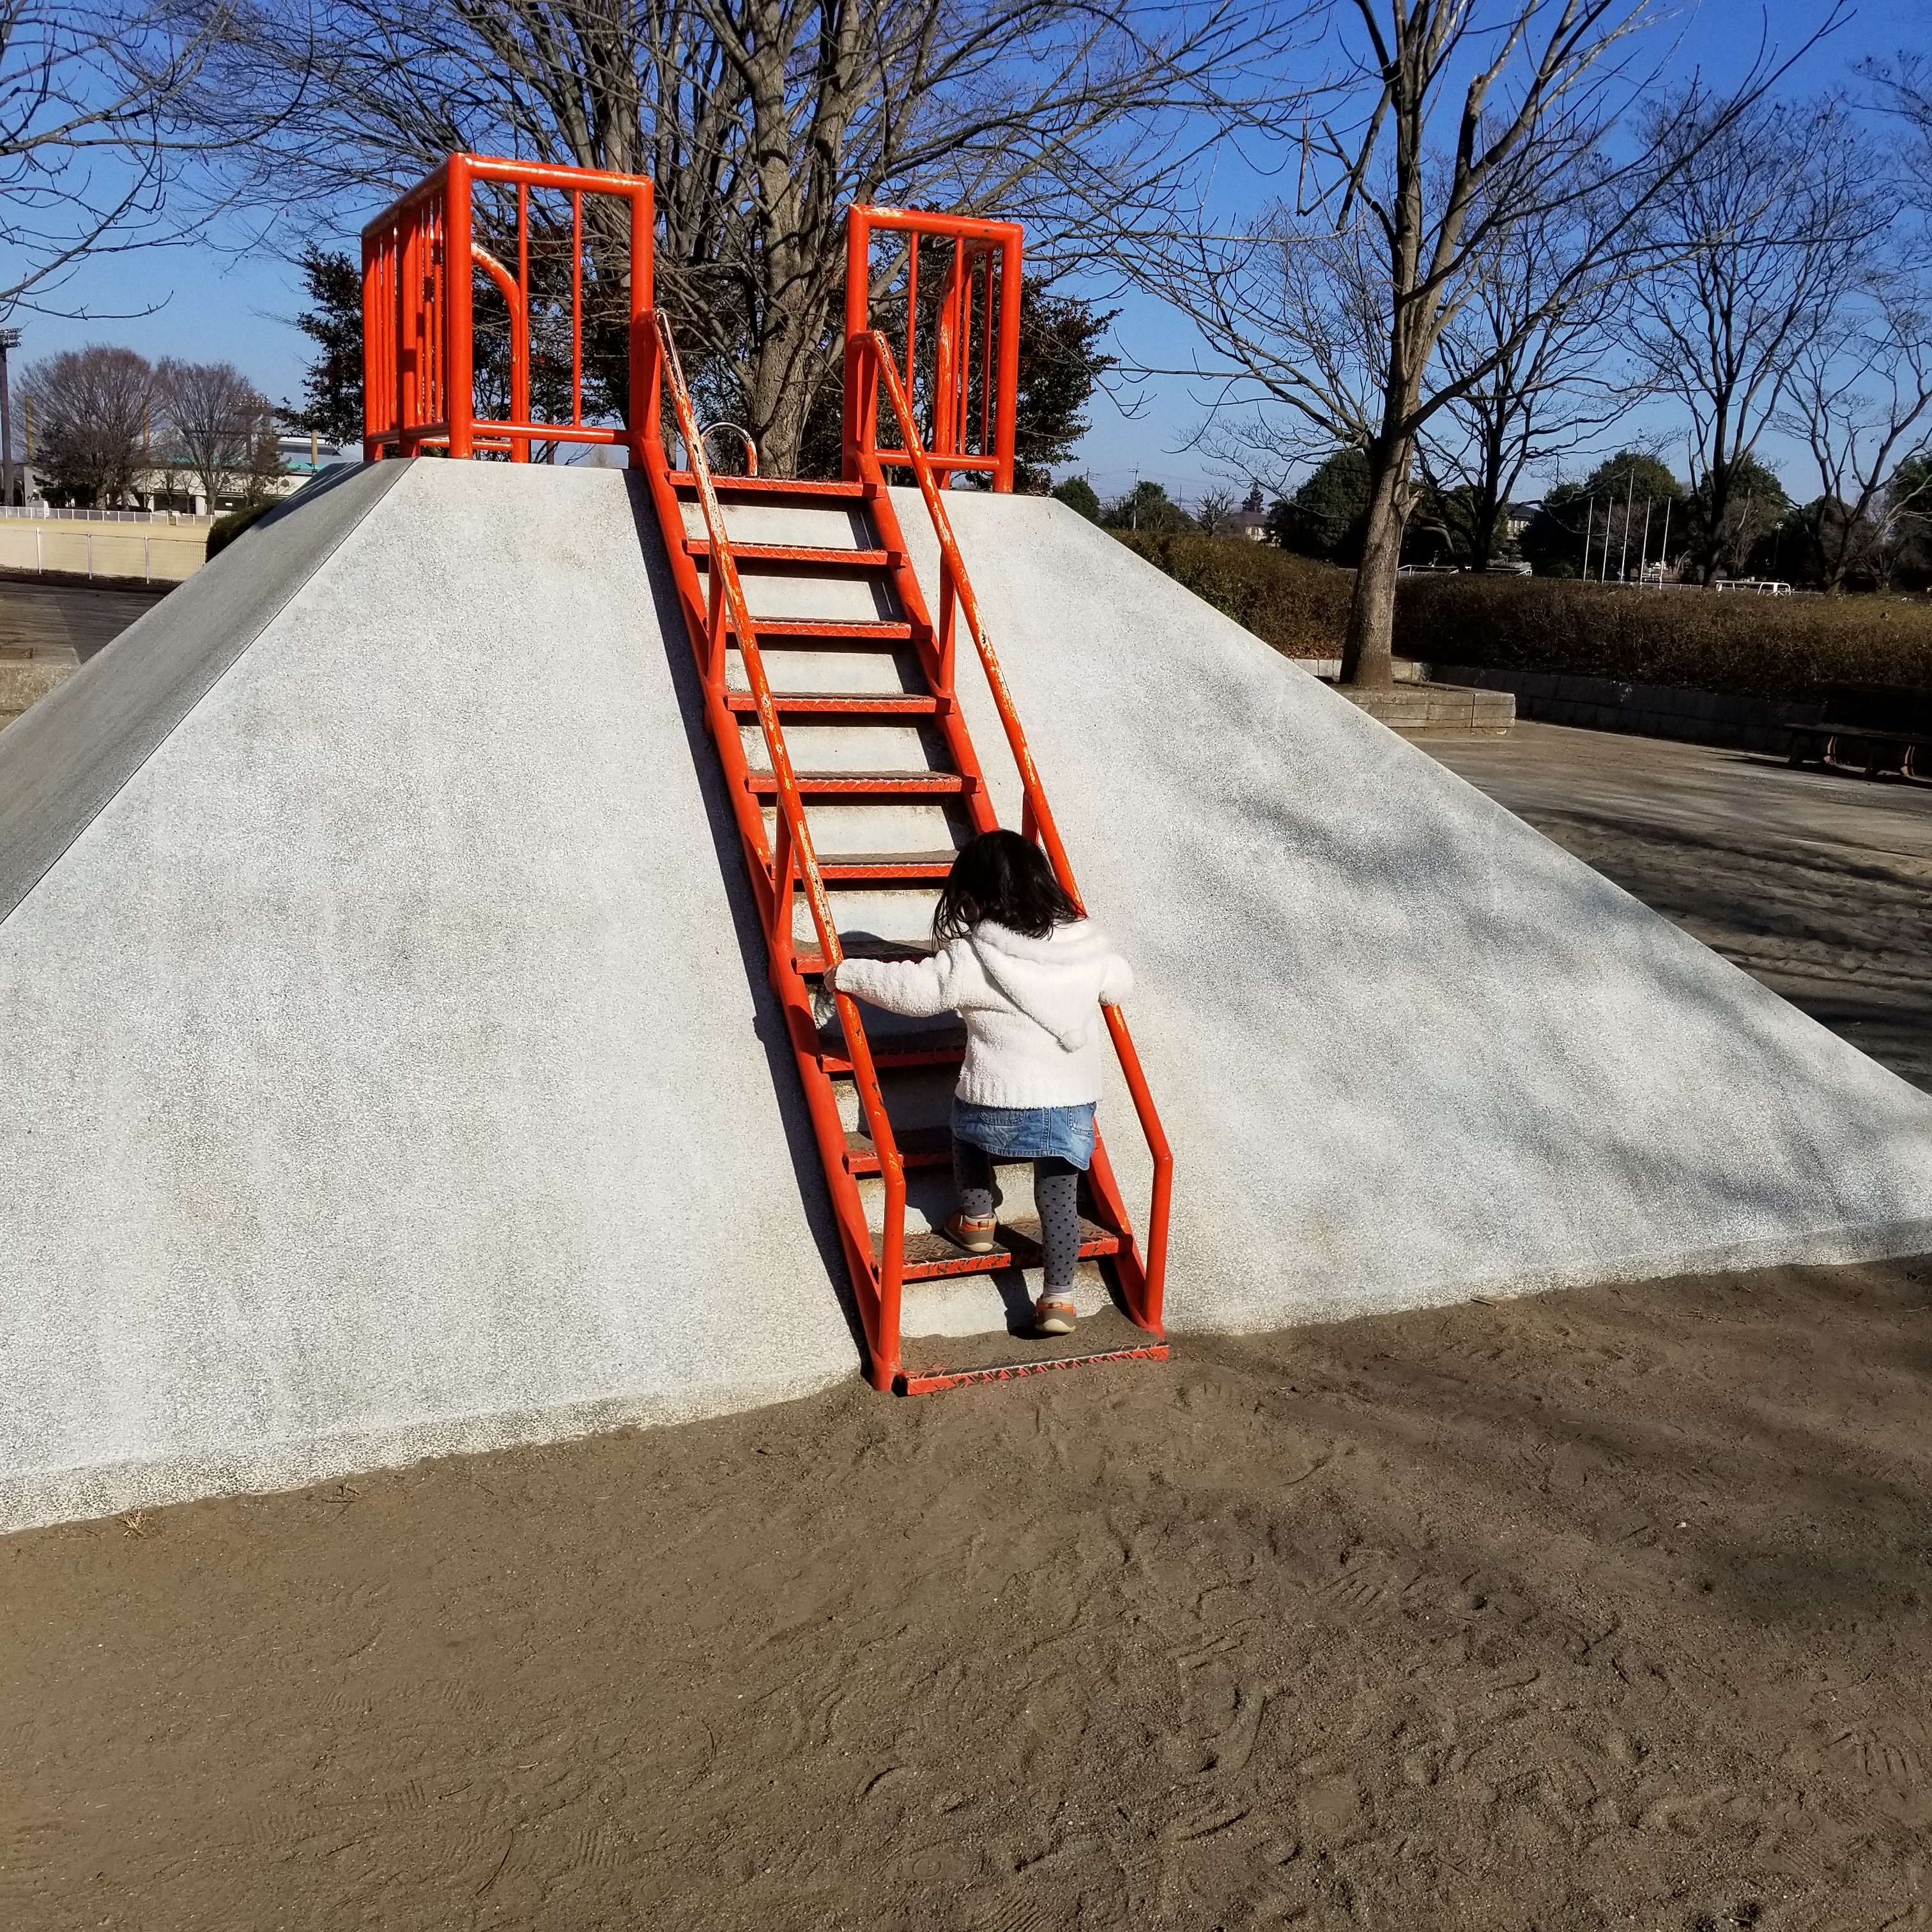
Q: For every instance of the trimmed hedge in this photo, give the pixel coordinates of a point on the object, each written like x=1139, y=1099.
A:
x=1734, y=642
x=1293, y=603
x=1750, y=646
x=224, y=530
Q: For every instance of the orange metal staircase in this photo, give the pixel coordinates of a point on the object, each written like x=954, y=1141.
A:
x=830, y=694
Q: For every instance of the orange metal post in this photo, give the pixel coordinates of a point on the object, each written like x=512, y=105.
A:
x=375, y=342
x=646, y=402
x=858, y=306
x=1009, y=355
x=459, y=379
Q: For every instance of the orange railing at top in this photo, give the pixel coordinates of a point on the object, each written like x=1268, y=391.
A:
x=972, y=327
x=869, y=363
x=420, y=261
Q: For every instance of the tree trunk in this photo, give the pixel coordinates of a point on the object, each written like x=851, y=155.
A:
x=1368, y=649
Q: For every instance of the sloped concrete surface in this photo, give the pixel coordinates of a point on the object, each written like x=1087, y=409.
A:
x=420, y=1098
x=427, y=1096
x=75, y=750
x=1407, y=1049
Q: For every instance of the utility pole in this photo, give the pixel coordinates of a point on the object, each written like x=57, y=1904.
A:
x=1589, y=524
x=10, y=338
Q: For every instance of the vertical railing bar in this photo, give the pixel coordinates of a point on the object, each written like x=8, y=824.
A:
x=520, y=446
x=1009, y=360
x=642, y=364
x=576, y=308
x=459, y=333
x=986, y=358
x=912, y=330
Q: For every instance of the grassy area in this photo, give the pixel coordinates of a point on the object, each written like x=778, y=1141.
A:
x=1299, y=606
x=1753, y=647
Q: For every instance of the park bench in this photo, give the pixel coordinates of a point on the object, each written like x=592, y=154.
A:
x=1870, y=728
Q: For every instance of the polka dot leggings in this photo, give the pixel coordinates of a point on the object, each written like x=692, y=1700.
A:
x=1056, y=1195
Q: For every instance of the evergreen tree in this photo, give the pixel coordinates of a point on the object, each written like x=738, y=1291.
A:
x=1327, y=515
x=1077, y=493
x=1147, y=506
x=332, y=389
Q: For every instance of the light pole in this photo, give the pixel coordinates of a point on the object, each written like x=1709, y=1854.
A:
x=10, y=338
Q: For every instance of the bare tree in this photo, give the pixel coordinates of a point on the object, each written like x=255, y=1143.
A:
x=759, y=121
x=1214, y=515
x=221, y=426
x=1902, y=88
x=92, y=410
x=1526, y=381
x=1861, y=398
x=1453, y=123
x=88, y=140
x=1761, y=242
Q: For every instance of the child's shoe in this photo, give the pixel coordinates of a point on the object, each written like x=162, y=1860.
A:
x=977, y=1237
x=1053, y=1315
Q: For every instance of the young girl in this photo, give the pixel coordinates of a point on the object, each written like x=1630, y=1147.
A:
x=1013, y=957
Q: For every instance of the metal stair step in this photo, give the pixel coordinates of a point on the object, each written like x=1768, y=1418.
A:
x=839, y=704
x=683, y=481
x=939, y=1047
x=809, y=960
x=843, y=630
x=852, y=867
x=862, y=785
x=929, y=1255
x=811, y=554
x=918, y=1147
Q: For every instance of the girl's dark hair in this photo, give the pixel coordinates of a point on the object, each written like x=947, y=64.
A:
x=1002, y=877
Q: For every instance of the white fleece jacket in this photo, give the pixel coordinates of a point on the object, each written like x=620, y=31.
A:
x=1032, y=1007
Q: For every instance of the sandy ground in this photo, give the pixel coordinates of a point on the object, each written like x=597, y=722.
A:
x=1604, y=1609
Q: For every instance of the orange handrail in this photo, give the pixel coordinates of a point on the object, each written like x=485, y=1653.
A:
x=794, y=846
x=956, y=591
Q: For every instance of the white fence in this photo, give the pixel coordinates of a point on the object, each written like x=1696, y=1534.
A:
x=39, y=513
x=156, y=554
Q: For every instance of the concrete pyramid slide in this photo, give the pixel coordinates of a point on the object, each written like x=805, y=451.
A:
x=388, y=1068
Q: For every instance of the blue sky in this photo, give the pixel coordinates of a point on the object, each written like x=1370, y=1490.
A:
x=208, y=304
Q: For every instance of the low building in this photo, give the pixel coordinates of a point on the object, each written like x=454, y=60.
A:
x=172, y=483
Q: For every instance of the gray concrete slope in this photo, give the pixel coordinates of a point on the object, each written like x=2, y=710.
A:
x=387, y=1069
x=1408, y=1050
x=79, y=748
x=382, y=1071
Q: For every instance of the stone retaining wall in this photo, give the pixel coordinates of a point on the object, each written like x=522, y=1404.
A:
x=1646, y=710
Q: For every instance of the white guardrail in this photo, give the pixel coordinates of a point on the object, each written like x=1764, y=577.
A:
x=39, y=513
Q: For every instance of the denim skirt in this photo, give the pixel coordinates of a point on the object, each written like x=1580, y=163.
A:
x=1027, y=1133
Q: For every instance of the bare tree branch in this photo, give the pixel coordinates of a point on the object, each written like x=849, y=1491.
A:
x=1343, y=345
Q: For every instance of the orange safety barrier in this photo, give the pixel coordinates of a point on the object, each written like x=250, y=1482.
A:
x=418, y=320
x=869, y=362
x=976, y=340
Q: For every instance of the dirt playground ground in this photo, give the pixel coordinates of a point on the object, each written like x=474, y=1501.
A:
x=1603, y=1609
